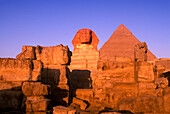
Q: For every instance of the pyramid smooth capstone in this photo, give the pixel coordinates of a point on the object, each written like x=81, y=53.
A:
x=121, y=44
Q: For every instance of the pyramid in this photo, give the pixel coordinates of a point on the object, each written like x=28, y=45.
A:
x=121, y=45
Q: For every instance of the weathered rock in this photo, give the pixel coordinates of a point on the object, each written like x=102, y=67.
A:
x=15, y=70
x=147, y=88
x=53, y=55
x=37, y=70
x=48, y=55
x=163, y=62
x=10, y=86
x=10, y=100
x=85, y=94
x=161, y=82
x=37, y=105
x=63, y=110
x=80, y=103
x=19, y=70
x=159, y=92
x=140, y=52
x=167, y=99
x=143, y=104
x=34, y=89
x=116, y=72
x=85, y=36
x=144, y=71
x=28, y=52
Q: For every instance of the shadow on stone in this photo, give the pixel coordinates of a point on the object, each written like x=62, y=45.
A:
x=167, y=75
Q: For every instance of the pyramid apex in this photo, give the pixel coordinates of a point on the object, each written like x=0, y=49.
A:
x=122, y=29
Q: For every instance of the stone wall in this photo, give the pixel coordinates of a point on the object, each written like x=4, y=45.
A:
x=13, y=73
x=55, y=72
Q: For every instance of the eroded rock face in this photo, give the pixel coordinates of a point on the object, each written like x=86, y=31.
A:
x=161, y=82
x=140, y=52
x=147, y=104
x=19, y=70
x=85, y=36
x=48, y=55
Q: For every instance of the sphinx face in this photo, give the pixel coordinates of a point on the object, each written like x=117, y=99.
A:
x=85, y=37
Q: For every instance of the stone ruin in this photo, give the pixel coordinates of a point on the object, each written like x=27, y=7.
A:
x=122, y=77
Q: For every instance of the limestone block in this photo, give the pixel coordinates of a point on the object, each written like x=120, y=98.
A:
x=10, y=86
x=147, y=88
x=37, y=70
x=34, y=89
x=53, y=55
x=10, y=99
x=143, y=104
x=85, y=94
x=5, y=85
x=121, y=91
x=19, y=70
x=145, y=72
x=48, y=55
x=37, y=105
x=118, y=72
x=161, y=82
x=63, y=110
x=167, y=99
x=80, y=102
x=15, y=70
x=28, y=52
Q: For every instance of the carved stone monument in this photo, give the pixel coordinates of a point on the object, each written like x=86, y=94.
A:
x=85, y=54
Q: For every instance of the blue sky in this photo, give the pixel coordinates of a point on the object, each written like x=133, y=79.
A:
x=54, y=22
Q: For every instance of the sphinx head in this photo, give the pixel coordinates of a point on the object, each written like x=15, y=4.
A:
x=85, y=36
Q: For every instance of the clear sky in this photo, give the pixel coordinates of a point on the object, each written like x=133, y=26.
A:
x=54, y=22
